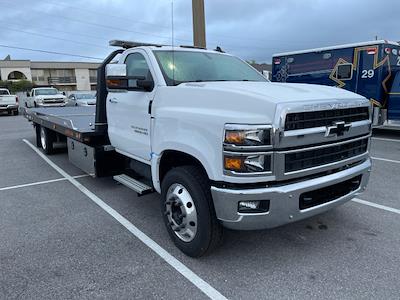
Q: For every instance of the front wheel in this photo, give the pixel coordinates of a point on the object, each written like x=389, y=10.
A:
x=188, y=211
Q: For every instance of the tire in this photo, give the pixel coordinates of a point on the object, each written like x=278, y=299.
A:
x=37, y=130
x=199, y=231
x=46, y=139
x=35, y=104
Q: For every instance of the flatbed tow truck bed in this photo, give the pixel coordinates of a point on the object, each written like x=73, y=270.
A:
x=88, y=148
x=76, y=122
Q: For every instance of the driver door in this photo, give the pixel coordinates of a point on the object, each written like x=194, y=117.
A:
x=128, y=111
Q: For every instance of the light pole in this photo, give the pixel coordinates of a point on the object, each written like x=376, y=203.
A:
x=199, y=24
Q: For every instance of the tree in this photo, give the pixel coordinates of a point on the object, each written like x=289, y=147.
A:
x=17, y=86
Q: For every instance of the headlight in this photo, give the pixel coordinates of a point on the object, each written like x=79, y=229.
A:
x=247, y=136
x=39, y=99
x=248, y=150
x=248, y=162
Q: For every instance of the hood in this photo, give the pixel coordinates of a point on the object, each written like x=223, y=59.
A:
x=280, y=92
x=247, y=102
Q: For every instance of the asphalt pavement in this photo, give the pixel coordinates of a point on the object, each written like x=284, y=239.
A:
x=81, y=237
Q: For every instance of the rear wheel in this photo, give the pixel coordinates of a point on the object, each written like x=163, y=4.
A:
x=188, y=211
x=37, y=130
x=46, y=139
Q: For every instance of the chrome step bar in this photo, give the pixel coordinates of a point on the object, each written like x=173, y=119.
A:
x=133, y=184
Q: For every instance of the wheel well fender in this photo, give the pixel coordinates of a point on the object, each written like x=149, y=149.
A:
x=169, y=159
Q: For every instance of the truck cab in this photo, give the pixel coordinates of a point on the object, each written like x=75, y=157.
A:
x=370, y=69
x=222, y=145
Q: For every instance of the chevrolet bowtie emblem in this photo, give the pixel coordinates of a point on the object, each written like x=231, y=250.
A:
x=338, y=128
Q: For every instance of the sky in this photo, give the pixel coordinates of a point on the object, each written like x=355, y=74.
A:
x=251, y=29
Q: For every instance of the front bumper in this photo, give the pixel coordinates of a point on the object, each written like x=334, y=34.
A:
x=9, y=107
x=284, y=200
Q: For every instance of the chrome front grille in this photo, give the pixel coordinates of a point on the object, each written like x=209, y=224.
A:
x=318, y=156
x=321, y=140
x=311, y=119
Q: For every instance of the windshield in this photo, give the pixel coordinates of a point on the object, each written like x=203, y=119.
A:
x=191, y=66
x=4, y=92
x=84, y=96
x=46, y=92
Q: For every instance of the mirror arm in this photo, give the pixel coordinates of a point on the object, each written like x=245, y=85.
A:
x=147, y=85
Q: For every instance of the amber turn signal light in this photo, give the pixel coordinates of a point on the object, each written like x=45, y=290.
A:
x=233, y=163
x=113, y=82
x=235, y=137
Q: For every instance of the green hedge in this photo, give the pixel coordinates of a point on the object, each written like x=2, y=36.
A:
x=16, y=86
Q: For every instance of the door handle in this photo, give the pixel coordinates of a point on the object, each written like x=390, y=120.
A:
x=113, y=100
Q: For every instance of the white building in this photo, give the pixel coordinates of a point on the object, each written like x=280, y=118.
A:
x=65, y=76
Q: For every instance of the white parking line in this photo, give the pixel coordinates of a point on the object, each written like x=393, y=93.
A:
x=385, y=159
x=38, y=183
x=166, y=256
x=386, y=139
x=387, y=208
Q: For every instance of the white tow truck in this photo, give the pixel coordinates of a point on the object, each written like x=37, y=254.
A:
x=8, y=102
x=222, y=145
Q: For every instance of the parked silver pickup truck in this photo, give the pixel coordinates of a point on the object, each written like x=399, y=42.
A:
x=8, y=102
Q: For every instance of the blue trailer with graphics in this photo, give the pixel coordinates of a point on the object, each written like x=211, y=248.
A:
x=371, y=69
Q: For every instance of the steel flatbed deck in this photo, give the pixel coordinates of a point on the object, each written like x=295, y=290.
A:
x=74, y=122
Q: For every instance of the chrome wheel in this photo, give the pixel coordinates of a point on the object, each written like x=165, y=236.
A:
x=43, y=138
x=181, y=212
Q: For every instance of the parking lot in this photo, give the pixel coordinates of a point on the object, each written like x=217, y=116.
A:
x=66, y=235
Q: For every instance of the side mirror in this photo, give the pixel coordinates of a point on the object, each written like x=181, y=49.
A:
x=116, y=77
x=63, y=93
x=27, y=94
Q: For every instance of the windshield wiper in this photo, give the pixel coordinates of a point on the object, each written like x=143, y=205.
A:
x=204, y=80
x=214, y=80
